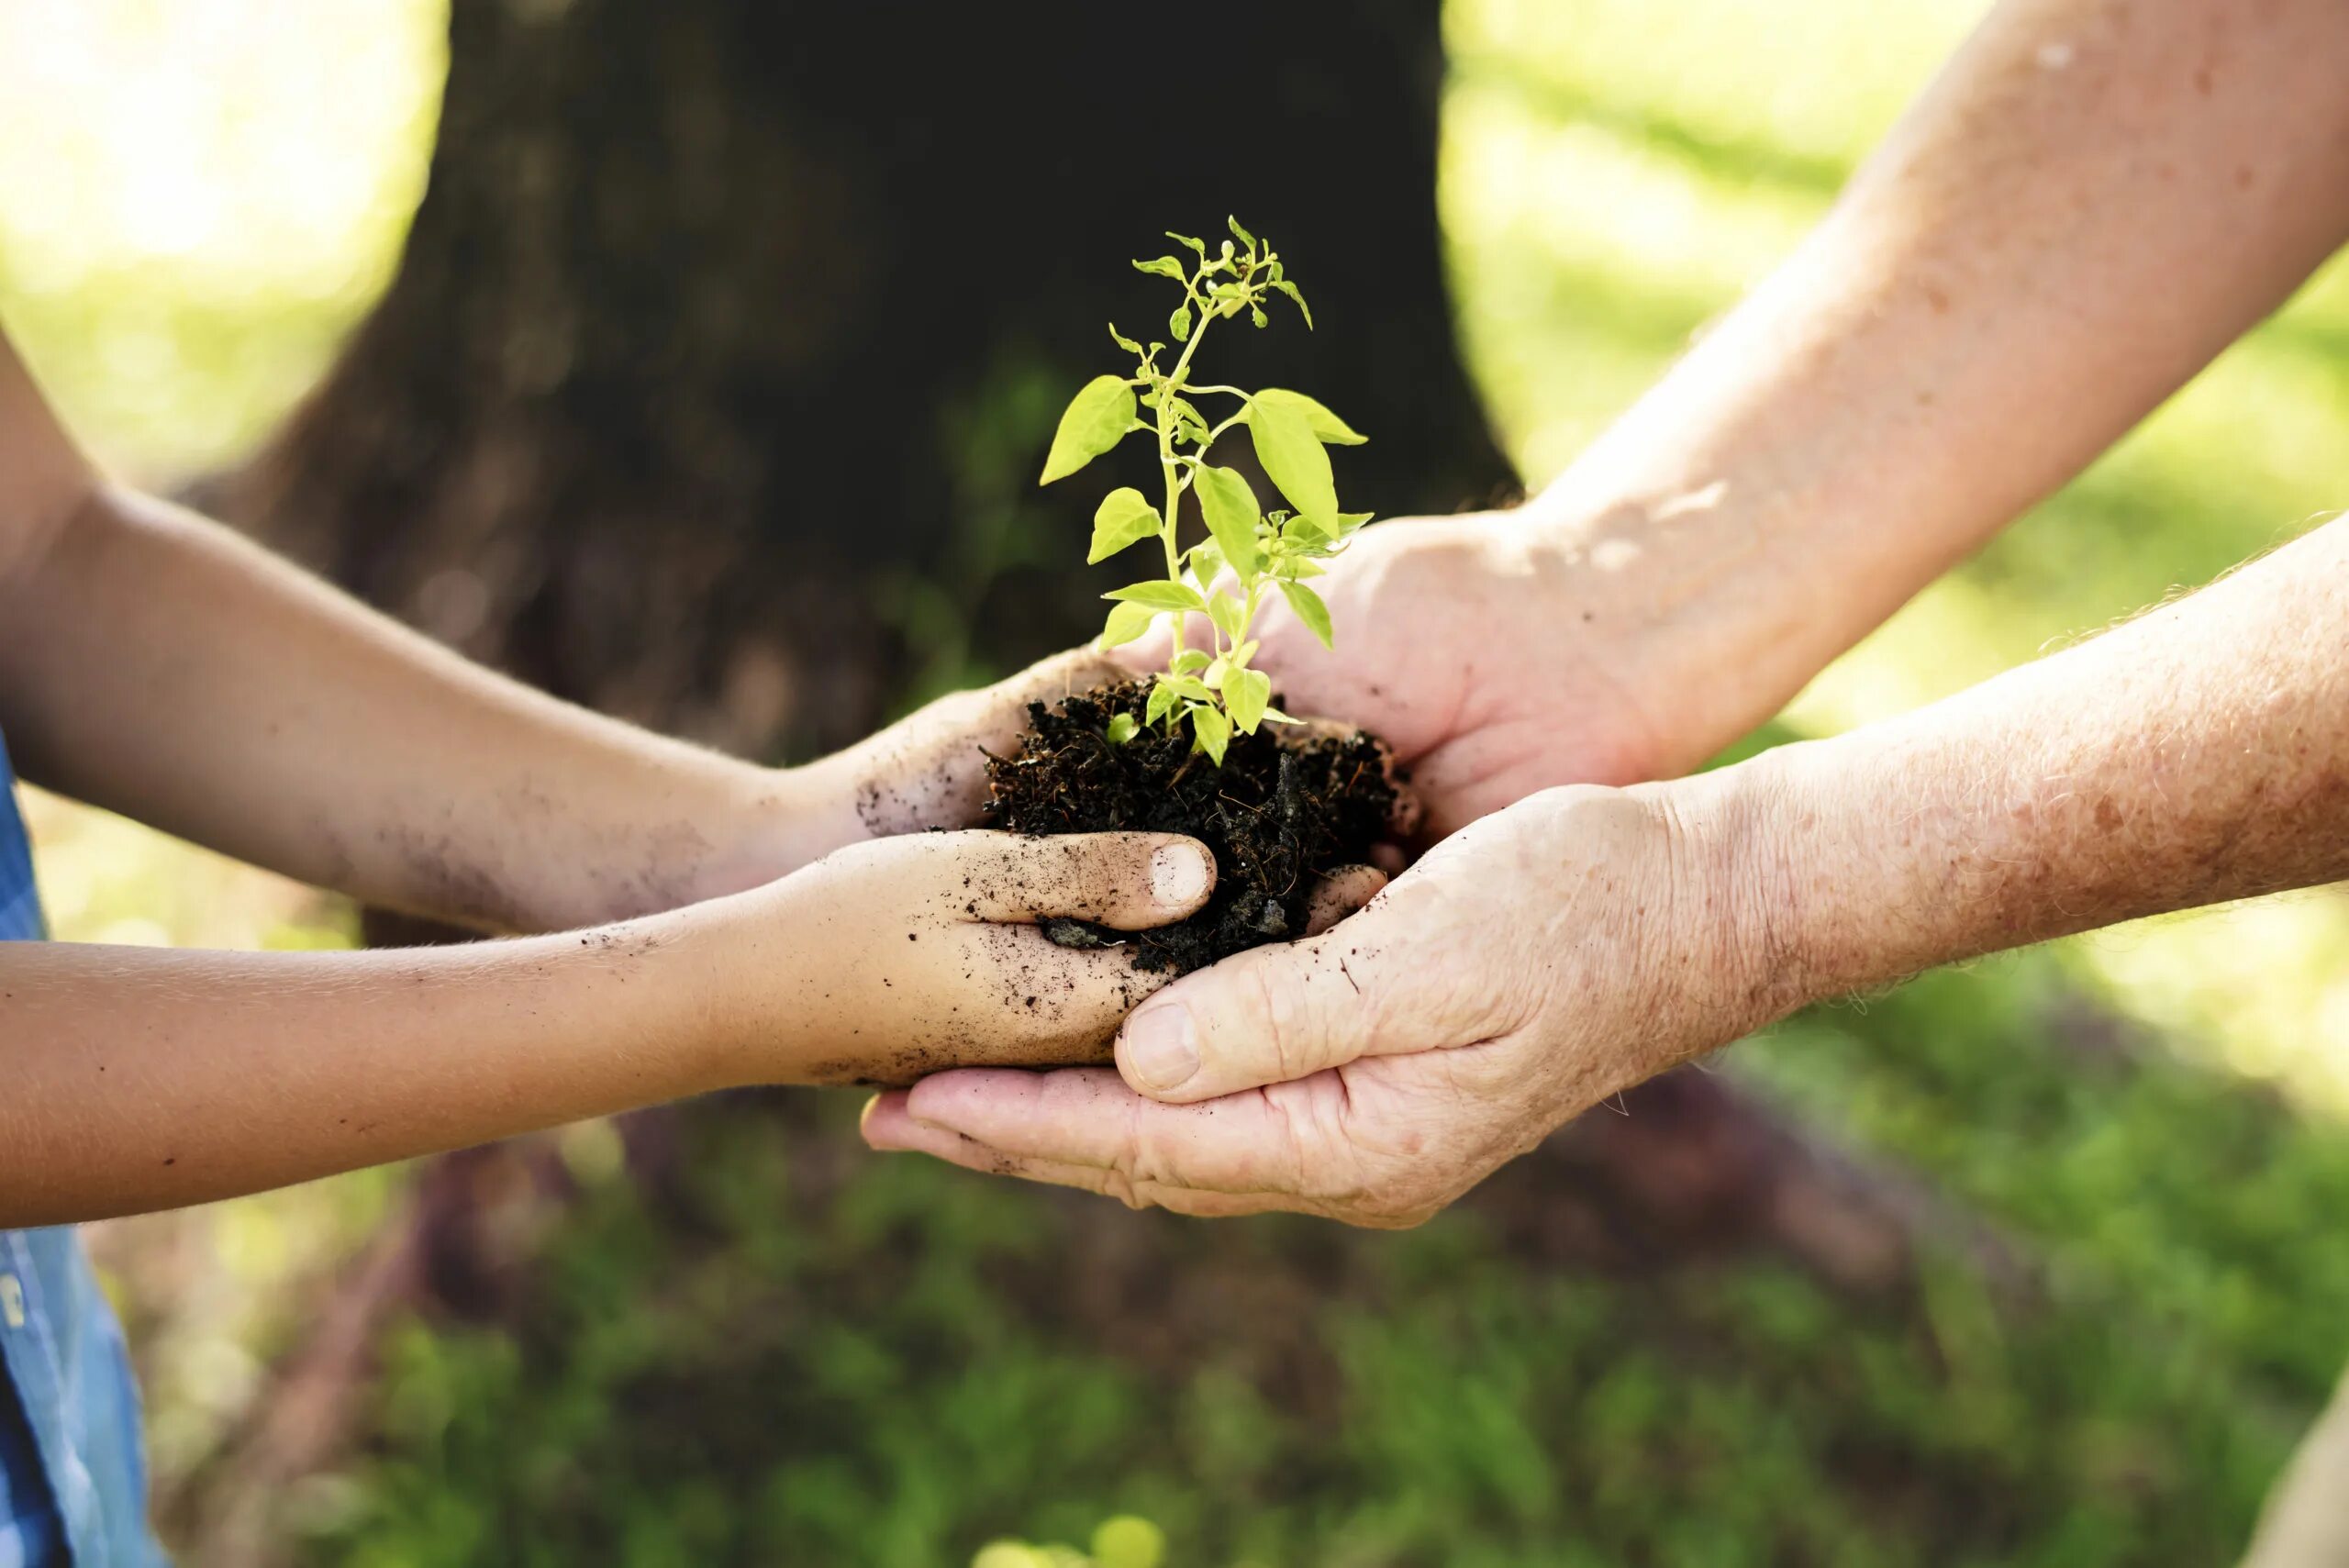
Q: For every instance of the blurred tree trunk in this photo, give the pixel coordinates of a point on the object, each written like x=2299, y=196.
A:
x=728, y=338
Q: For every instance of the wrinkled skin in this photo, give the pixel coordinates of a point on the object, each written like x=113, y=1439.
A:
x=1530, y=966
x=1494, y=661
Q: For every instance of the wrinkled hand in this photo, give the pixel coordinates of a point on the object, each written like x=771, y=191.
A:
x=1494, y=659
x=1530, y=966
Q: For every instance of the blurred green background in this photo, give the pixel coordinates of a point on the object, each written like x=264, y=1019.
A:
x=893, y=1364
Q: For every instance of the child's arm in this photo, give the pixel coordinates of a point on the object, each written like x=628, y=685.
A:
x=138, y=1078
x=156, y=663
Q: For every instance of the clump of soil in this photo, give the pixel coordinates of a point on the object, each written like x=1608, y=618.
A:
x=1287, y=805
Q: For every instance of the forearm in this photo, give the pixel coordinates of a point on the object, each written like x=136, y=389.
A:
x=141, y=1078
x=157, y=664
x=2196, y=755
x=2090, y=202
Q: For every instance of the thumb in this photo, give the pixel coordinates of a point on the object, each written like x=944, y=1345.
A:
x=1128, y=881
x=1268, y=1015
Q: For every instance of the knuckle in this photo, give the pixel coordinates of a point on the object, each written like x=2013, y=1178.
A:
x=1279, y=1019
x=1116, y=1184
x=1268, y=1024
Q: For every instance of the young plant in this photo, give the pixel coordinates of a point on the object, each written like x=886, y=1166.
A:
x=1248, y=552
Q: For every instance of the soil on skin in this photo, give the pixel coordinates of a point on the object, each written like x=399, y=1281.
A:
x=1287, y=806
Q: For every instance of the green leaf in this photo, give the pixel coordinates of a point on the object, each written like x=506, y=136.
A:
x=1188, y=687
x=1229, y=508
x=1256, y=314
x=1180, y=323
x=1206, y=562
x=1309, y=609
x=1274, y=716
x=1301, y=567
x=1163, y=267
x=1246, y=695
x=1214, y=673
x=1123, y=729
x=1128, y=344
x=1291, y=453
x=1240, y=234
x=1199, y=245
x=1226, y=611
x=1096, y=419
x=1290, y=289
x=1238, y=658
x=1159, y=595
x=1191, y=661
x=1328, y=429
x=1348, y=521
x=1211, y=731
x=1125, y=622
x=1162, y=698
x=1306, y=534
x=1123, y=518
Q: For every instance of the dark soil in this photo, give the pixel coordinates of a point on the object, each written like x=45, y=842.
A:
x=1287, y=805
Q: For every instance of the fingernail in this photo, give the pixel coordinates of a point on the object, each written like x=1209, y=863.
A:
x=1162, y=1047
x=1180, y=875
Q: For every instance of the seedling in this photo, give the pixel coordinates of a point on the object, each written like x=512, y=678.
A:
x=1248, y=552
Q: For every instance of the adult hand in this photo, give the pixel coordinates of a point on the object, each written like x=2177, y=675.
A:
x=1528, y=967
x=1479, y=650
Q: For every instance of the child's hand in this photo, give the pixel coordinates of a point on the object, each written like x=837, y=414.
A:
x=894, y=958
x=928, y=769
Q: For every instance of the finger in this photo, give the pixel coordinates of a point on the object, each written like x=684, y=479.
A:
x=928, y=769
x=1276, y=1013
x=890, y=1127
x=1127, y=880
x=1083, y=1119
x=1388, y=858
x=1004, y=996
x=1339, y=895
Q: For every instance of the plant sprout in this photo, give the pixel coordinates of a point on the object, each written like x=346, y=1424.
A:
x=1248, y=553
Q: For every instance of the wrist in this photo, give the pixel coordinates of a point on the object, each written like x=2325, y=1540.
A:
x=1843, y=867
x=771, y=822
x=1683, y=601
x=727, y=964
x=1740, y=907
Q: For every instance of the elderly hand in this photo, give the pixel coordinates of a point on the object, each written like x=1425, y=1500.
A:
x=1441, y=624
x=1530, y=966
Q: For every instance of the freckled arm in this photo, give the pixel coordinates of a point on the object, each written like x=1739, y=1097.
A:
x=2091, y=200
x=2198, y=754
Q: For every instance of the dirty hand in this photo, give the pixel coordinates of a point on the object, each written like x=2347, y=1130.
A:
x=892, y=959
x=1528, y=967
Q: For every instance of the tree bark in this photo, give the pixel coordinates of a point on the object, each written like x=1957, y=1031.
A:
x=714, y=380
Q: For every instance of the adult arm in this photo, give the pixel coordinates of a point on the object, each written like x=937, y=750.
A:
x=2090, y=201
x=1585, y=939
x=156, y=663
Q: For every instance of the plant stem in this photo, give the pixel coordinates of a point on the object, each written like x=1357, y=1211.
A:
x=1167, y=392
